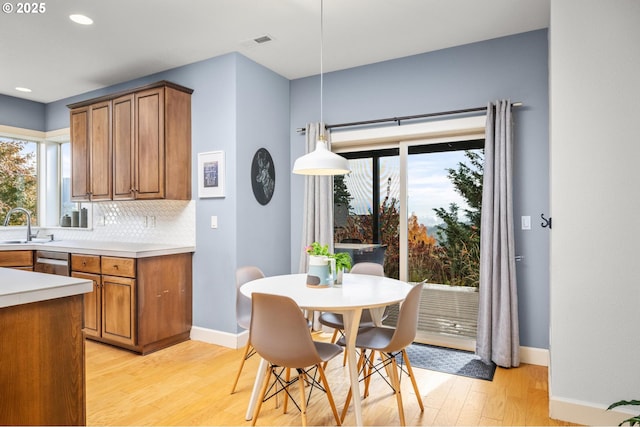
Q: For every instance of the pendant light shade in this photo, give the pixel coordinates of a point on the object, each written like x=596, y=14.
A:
x=321, y=161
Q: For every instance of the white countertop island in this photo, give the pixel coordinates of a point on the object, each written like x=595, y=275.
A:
x=23, y=287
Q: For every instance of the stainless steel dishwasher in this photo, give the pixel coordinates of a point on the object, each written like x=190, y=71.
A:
x=52, y=262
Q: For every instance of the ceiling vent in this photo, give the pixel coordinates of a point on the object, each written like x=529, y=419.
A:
x=256, y=41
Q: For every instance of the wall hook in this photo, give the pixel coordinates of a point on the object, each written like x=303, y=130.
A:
x=545, y=222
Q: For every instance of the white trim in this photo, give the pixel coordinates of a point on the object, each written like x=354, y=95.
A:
x=21, y=133
x=224, y=339
x=59, y=135
x=534, y=356
x=389, y=136
x=585, y=413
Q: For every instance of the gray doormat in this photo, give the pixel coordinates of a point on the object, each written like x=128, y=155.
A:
x=450, y=361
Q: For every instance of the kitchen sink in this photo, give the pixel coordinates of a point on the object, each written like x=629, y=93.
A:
x=22, y=241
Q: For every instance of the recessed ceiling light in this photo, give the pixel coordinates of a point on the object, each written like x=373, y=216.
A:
x=81, y=19
x=23, y=89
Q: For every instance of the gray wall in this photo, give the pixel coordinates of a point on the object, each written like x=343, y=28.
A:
x=22, y=113
x=461, y=77
x=595, y=125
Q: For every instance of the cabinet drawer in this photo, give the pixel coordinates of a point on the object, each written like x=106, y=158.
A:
x=86, y=263
x=123, y=267
x=16, y=258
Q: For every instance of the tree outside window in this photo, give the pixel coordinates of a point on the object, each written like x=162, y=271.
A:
x=18, y=178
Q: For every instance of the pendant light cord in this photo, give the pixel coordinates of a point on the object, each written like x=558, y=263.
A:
x=321, y=67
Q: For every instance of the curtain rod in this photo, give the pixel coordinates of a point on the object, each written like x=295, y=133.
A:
x=400, y=119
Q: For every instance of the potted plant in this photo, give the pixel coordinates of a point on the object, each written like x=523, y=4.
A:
x=343, y=262
x=342, y=259
x=633, y=420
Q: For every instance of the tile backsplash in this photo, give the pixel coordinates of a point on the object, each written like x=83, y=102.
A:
x=136, y=221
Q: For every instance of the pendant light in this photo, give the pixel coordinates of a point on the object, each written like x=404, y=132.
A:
x=321, y=161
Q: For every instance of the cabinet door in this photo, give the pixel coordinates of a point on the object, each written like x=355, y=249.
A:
x=100, y=151
x=118, y=309
x=165, y=297
x=149, y=144
x=80, y=186
x=123, y=145
x=92, y=304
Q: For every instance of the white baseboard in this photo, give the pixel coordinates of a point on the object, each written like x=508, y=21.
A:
x=531, y=355
x=534, y=356
x=224, y=339
x=585, y=413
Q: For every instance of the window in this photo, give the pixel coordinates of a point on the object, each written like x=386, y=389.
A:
x=18, y=178
x=442, y=237
x=66, y=205
x=35, y=170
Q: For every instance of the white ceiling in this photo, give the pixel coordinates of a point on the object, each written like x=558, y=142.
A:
x=57, y=58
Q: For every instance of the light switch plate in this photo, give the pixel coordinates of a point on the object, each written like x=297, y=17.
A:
x=526, y=222
x=214, y=221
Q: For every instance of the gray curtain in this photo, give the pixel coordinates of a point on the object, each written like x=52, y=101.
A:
x=497, y=337
x=317, y=224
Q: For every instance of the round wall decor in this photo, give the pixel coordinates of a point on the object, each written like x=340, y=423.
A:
x=263, y=176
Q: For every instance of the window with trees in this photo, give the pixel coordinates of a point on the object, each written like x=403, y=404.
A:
x=35, y=170
x=444, y=188
x=18, y=178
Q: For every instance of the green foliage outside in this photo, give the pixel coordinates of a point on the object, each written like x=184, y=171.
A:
x=453, y=258
x=18, y=182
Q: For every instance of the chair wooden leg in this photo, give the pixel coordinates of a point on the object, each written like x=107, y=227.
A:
x=286, y=390
x=332, y=403
x=395, y=381
x=256, y=411
x=413, y=379
x=346, y=406
x=303, y=401
x=367, y=372
x=247, y=347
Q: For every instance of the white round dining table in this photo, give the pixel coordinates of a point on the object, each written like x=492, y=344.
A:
x=357, y=292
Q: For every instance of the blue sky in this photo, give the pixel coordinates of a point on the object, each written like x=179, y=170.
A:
x=429, y=186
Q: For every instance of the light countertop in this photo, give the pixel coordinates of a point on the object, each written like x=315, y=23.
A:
x=19, y=287
x=89, y=247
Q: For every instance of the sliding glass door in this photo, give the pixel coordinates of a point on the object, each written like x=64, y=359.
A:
x=421, y=203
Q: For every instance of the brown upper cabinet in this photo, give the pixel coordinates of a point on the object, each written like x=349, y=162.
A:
x=132, y=145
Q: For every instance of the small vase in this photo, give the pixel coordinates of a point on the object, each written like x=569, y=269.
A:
x=319, y=272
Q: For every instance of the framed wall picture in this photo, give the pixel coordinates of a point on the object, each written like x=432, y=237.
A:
x=211, y=174
x=263, y=176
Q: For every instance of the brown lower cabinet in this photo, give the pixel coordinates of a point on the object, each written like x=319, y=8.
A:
x=141, y=304
x=21, y=260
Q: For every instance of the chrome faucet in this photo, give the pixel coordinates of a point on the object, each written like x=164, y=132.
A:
x=27, y=213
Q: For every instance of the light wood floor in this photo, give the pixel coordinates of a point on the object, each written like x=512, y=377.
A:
x=189, y=384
